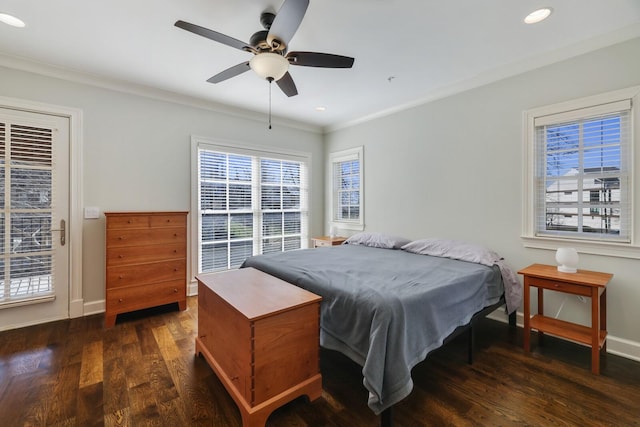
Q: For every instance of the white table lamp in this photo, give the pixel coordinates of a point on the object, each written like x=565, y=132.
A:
x=567, y=259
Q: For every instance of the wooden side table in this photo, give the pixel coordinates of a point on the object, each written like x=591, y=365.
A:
x=590, y=284
x=327, y=241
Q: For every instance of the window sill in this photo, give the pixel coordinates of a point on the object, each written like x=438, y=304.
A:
x=348, y=226
x=618, y=250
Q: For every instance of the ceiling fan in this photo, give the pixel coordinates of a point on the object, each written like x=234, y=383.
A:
x=271, y=58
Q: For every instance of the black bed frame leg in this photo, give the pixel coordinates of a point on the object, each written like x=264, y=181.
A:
x=470, y=344
x=386, y=417
x=512, y=319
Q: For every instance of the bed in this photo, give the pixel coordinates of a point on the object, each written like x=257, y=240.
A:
x=386, y=308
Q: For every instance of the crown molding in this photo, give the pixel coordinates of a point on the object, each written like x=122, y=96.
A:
x=104, y=82
x=505, y=71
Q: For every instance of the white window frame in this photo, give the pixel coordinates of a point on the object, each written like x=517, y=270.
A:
x=197, y=143
x=529, y=238
x=336, y=158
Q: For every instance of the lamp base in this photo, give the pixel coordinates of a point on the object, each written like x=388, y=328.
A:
x=565, y=269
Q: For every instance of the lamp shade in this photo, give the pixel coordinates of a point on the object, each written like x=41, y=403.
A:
x=269, y=65
x=567, y=259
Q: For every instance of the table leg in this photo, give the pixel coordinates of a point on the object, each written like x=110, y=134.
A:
x=595, y=331
x=540, y=312
x=527, y=316
x=603, y=315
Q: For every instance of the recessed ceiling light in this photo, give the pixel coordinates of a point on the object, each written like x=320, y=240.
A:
x=11, y=20
x=538, y=15
x=321, y=108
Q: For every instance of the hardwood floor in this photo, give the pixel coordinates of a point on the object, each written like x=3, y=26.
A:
x=143, y=372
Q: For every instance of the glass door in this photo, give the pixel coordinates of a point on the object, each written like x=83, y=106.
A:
x=34, y=205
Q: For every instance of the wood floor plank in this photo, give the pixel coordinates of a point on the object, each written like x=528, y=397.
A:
x=119, y=418
x=172, y=413
x=199, y=403
x=166, y=343
x=90, y=410
x=144, y=372
x=115, y=395
x=144, y=410
x=161, y=382
x=135, y=368
x=91, y=366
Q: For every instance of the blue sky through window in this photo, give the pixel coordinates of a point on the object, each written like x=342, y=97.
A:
x=597, y=141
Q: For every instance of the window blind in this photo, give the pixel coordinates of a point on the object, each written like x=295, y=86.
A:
x=582, y=173
x=249, y=204
x=347, y=186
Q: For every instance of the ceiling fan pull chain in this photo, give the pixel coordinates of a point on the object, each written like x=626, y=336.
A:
x=270, y=82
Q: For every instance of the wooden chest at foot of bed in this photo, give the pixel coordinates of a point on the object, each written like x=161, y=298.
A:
x=261, y=337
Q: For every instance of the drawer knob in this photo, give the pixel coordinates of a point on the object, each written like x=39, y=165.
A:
x=120, y=256
x=175, y=269
x=556, y=285
x=129, y=221
x=175, y=234
x=120, y=277
x=119, y=299
x=175, y=290
x=236, y=378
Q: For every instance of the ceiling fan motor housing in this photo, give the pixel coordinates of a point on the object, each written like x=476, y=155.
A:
x=266, y=19
x=259, y=41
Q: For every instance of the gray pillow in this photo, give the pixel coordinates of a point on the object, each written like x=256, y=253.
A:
x=453, y=249
x=377, y=240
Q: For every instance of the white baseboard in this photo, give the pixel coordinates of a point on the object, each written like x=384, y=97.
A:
x=192, y=288
x=76, y=308
x=94, y=307
x=618, y=346
x=623, y=347
x=25, y=324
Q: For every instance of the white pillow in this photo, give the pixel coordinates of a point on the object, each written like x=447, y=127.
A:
x=377, y=240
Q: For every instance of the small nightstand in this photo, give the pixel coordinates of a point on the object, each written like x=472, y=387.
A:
x=590, y=284
x=318, y=242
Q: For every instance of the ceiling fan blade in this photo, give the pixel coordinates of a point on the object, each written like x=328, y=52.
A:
x=287, y=85
x=213, y=35
x=315, y=59
x=230, y=72
x=286, y=22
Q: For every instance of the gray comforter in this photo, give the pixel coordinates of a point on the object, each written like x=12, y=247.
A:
x=386, y=309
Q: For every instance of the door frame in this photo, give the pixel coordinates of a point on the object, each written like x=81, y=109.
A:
x=76, y=300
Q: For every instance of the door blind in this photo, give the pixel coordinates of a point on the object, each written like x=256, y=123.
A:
x=26, y=194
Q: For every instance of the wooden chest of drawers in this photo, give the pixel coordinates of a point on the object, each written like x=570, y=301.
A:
x=146, y=261
x=261, y=337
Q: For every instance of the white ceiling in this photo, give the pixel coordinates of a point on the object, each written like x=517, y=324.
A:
x=406, y=51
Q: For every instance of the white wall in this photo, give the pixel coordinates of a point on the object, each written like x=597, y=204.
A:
x=452, y=168
x=137, y=153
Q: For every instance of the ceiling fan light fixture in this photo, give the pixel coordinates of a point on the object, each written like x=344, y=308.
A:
x=269, y=65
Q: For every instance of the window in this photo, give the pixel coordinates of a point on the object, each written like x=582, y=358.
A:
x=579, y=164
x=249, y=202
x=347, y=194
